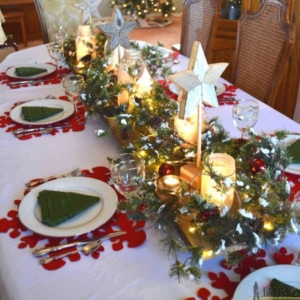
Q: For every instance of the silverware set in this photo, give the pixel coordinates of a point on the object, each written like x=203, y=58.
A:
x=31, y=82
x=73, y=173
x=43, y=130
x=87, y=247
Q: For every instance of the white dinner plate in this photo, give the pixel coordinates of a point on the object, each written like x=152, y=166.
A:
x=292, y=168
x=68, y=110
x=219, y=86
x=50, y=69
x=288, y=274
x=92, y=218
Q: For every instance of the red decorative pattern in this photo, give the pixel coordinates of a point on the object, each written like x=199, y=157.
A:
x=226, y=98
x=250, y=263
x=76, y=122
x=53, y=78
x=135, y=234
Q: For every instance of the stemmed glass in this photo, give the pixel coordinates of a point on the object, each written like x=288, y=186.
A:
x=74, y=87
x=245, y=114
x=127, y=173
x=296, y=211
x=56, y=55
x=59, y=34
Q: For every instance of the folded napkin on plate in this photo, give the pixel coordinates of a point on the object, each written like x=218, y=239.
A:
x=294, y=150
x=57, y=206
x=280, y=289
x=36, y=113
x=29, y=71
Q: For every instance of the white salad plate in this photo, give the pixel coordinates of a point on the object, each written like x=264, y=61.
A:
x=288, y=274
x=219, y=86
x=11, y=72
x=292, y=168
x=68, y=110
x=88, y=220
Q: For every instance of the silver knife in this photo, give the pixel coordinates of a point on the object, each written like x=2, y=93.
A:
x=43, y=251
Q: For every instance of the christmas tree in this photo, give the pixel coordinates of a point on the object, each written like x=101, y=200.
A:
x=141, y=8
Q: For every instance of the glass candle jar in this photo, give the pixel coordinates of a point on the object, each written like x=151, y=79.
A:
x=85, y=44
x=132, y=69
x=224, y=165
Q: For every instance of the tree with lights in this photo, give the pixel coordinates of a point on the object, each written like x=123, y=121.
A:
x=142, y=8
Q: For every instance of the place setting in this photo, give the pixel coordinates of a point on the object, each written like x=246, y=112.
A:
x=36, y=74
x=47, y=116
x=74, y=213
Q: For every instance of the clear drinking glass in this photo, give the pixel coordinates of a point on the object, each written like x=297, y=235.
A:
x=127, y=173
x=245, y=115
x=74, y=87
x=56, y=55
x=59, y=33
x=296, y=211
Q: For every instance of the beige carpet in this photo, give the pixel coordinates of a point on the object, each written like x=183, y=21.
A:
x=168, y=35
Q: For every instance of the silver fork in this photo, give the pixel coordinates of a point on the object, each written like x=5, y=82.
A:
x=73, y=173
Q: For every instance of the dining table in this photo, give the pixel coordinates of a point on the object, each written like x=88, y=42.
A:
x=132, y=266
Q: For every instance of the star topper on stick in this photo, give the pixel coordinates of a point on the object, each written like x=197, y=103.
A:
x=196, y=84
x=118, y=30
x=89, y=8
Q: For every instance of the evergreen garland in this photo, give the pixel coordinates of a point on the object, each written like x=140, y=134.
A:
x=261, y=213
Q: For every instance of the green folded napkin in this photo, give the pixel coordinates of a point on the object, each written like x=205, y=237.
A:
x=36, y=113
x=29, y=71
x=280, y=289
x=294, y=150
x=57, y=206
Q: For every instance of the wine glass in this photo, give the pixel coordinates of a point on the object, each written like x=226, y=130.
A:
x=56, y=55
x=73, y=86
x=128, y=173
x=59, y=33
x=296, y=211
x=245, y=115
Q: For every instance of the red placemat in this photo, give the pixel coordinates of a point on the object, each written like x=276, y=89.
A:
x=135, y=236
x=53, y=78
x=73, y=123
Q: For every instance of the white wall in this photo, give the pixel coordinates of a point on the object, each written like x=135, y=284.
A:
x=297, y=109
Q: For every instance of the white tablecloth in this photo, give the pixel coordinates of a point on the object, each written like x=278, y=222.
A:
x=136, y=273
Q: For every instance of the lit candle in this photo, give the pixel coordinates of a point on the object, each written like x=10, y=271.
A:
x=222, y=164
x=187, y=128
x=169, y=183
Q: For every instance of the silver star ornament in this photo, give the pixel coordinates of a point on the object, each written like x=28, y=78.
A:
x=118, y=31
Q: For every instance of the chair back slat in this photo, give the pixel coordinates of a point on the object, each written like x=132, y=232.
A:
x=265, y=41
x=42, y=21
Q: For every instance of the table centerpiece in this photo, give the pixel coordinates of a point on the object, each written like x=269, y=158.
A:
x=191, y=227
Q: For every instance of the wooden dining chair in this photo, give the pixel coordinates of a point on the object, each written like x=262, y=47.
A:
x=57, y=12
x=6, y=49
x=42, y=21
x=198, y=17
x=265, y=40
